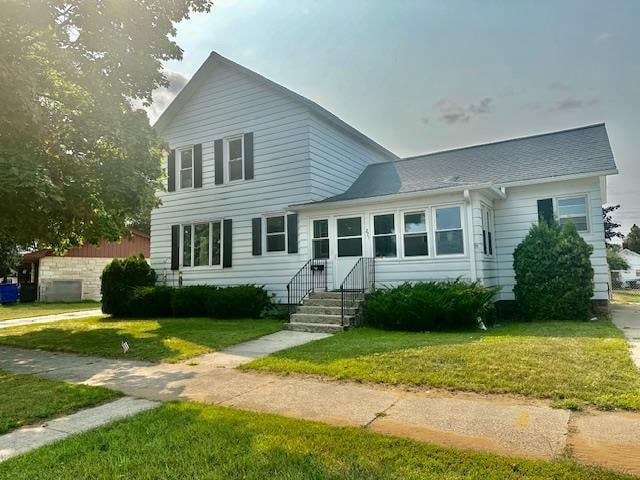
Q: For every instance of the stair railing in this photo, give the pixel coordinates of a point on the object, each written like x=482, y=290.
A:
x=359, y=281
x=312, y=276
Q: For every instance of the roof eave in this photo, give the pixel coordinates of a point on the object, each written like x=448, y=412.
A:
x=559, y=178
x=395, y=196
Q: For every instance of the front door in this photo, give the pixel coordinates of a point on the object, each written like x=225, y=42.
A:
x=349, y=246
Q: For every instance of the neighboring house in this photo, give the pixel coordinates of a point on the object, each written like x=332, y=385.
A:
x=260, y=180
x=633, y=273
x=75, y=275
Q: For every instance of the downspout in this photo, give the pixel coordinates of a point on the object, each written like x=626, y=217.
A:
x=470, y=235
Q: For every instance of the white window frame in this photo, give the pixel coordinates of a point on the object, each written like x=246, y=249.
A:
x=192, y=246
x=586, y=208
x=427, y=219
x=436, y=230
x=265, y=234
x=373, y=215
x=180, y=169
x=361, y=236
x=227, y=159
x=327, y=238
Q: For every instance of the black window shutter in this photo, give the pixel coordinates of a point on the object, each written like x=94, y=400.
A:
x=197, y=166
x=171, y=171
x=175, y=247
x=219, y=162
x=545, y=210
x=484, y=241
x=248, y=156
x=256, y=235
x=292, y=233
x=490, y=244
x=226, y=243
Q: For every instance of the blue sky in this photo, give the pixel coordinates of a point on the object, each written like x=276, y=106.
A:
x=421, y=76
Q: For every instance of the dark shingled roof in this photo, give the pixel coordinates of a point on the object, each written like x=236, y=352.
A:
x=569, y=152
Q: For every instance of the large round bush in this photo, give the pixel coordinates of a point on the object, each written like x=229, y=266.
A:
x=554, y=275
x=119, y=278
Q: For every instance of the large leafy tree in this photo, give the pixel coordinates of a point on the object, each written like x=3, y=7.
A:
x=632, y=240
x=78, y=161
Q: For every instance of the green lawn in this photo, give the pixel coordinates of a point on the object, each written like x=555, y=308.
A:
x=186, y=440
x=23, y=310
x=572, y=363
x=626, y=296
x=25, y=399
x=167, y=339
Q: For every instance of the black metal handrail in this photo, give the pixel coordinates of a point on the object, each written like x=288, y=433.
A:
x=312, y=276
x=360, y=280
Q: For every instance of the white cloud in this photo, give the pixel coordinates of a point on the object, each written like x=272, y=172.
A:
x=162, y=97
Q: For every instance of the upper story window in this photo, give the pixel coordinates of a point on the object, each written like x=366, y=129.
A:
x=235, y=158
x=449, y=235
x=276, y=234
x=574, y=210
x=186, y=168
x=416, y=238
x=384, y=235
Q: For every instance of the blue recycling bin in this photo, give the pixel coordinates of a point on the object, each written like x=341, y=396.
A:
x=8, y=293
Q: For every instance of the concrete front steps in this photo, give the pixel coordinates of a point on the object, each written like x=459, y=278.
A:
x=321, y=312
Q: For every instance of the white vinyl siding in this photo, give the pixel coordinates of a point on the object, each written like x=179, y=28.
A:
x=515, y=215
x=336, y=159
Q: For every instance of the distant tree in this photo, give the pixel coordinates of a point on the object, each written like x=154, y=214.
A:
x=609, y=225
x=78, y=162
x=9, y=258
x=632, y=240
x=615, y=260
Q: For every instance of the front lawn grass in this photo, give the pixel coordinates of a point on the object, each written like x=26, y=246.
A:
x=572, y=363
x=25, y=399
x=34, y=309
x=187, y=440
x=166, y=339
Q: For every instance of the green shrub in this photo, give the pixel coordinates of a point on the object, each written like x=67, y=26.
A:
x=119, y=278
x=242, y=301
x=150, y=302
x=429, y=306
x=554, y=275
x=192, y=301
x=616, y=261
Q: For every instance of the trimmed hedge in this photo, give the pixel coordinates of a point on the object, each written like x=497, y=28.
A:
x=429, y=306
x=150, y=302
x=119, y=279
x=192, y=301
x=554, y=275
x=242, y=301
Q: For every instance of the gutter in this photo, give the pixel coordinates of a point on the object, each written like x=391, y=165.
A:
x=471, y=246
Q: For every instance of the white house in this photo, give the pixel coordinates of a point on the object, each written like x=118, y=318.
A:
x=260, y=180
x=633, y=273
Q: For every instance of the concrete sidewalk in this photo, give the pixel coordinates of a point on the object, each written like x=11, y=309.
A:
x=17, y=322
x=627, y=319
x=497, y=424
x=29, y=438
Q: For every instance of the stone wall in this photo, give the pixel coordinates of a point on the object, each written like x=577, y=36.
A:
x=86, y=269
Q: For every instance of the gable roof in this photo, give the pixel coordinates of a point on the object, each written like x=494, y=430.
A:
x=216, y=59
x=583, y=151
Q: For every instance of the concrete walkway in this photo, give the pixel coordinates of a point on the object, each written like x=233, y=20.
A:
x=16, y=322
x=29, y=438
x=497, y=424
x=627, y=319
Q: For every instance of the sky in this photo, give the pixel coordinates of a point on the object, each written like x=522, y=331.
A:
x=423, y=76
